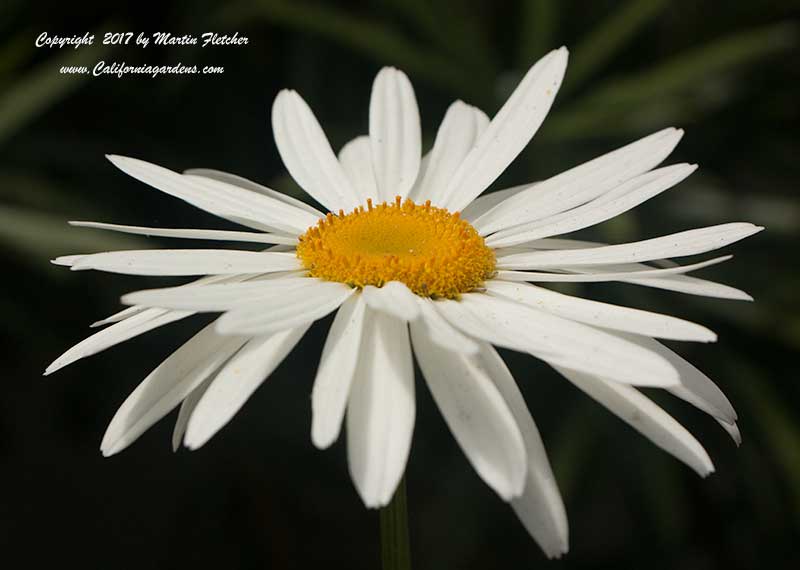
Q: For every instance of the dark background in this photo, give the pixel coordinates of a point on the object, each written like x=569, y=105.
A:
x=259, y=495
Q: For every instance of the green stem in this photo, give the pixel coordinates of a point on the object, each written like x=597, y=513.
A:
x=395, y=551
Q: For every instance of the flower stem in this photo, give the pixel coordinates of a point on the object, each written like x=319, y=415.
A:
x=395, y=551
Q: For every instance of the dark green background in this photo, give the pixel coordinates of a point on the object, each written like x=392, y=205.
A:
x=259, y=495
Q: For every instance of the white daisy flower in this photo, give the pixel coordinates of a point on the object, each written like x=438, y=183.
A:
x=414, y=261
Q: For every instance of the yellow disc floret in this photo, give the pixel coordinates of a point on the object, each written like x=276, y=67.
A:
x=434, y=252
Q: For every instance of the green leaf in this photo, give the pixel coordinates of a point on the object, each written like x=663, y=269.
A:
x=781, y=433
x=573, y=445
x=608, y=37
x=682, y=75
x=43, y=87
x=459, y=28
x=453, y=27
x=368, y=36
x=539, y=20
x=665, y=496
x=36, y=192
x=15, y=51
x=285, y=184
x=38, y=236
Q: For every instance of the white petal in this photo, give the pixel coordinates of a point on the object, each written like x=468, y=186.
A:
x=460, y=129
x=423, y=168
x=165, y=387
x=356, y=160
x=219, y=198
x=486, y=202
x=663, y=280
x=693, y=286
x=136, y=309
x=558, y=243
x=118, y=316
x=67, y=260
x=381, y=409
x=253, y=237
x=285, y=310
x=134, y=325
x=602, y=314
x=621, y=199
x=187, y=262
x=185, y=412
x=695, y=387
x=307, y=154
x=509, y=131
x=540, y=508
x=216, y=297
x=241, y=182
x=237, y=381
x=733, y=431
x=580, y=184
x=337, y=367
x=475, y=325
x=441, y=332
x=394, y=132
x=475, y=412
x=607, y=272
x=393, y=298
x=557, y=340
x=646, y=417
x=690, y=242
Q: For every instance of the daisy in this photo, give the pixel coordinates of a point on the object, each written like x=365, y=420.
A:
x=413, y=259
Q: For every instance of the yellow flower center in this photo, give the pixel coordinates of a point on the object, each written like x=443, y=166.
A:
x=434, y=252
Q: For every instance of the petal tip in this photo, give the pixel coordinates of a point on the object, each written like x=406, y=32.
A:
x=108, y=450
x=117, y=160
x=196, y=435
x=732, y=429
x=192, y=442
x=320, y=439
x=706, y=335
x=387, y=69
x=562, y=55
x=57, y=365
x=62, y=261
x=371, y=502
x=557, y=552
x=127, y=299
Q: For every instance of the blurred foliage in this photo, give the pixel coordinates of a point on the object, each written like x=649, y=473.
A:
x=667, y=91
x=39, y=89
x=260, y=495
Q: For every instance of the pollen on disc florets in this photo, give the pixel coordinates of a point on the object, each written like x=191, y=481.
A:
x=434, y=252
